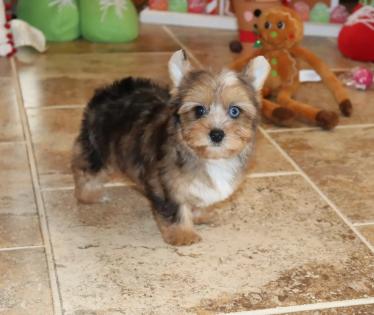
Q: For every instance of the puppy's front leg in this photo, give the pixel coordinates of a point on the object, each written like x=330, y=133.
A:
x=177, y=229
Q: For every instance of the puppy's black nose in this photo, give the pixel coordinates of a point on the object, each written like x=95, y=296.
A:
x=216, y=135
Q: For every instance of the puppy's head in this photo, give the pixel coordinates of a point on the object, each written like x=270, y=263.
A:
x=218, y=114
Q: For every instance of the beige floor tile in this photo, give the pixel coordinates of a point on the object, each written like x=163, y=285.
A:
x=352, y=310
x=267, y=158
x=53, y=133
x=341, y=163
x=16, y=194
x=368, y=232
x=65, y=79
x=11, y=129
x=24, y=283
x=210, y=48
x=48, y=91
x=19, y=225
x=19, y=230
x=5, y=68
x=267, y=247
x=152, y=38
x=53, y=157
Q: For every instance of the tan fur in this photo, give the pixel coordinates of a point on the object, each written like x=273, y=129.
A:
x=217, y=96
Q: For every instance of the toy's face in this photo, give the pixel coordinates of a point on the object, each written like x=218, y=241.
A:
x=279, y=28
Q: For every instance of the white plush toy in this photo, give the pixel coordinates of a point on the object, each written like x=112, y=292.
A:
x=16, y=33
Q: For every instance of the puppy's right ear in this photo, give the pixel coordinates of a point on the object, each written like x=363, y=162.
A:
x=178, y=66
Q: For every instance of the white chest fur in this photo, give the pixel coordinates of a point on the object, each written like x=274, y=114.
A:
x=223, y=179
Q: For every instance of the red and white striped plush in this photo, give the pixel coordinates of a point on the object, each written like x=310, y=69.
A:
x=6, y=38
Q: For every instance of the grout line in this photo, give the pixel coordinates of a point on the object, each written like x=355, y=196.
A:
x=309, y=307
x=353, y=126
x=50, y=107
x=130, y=184
x=272, y=174
x=280, y=130
x=119, y=184
x=8, y=249
x=56, y=297
x=317, y=189
x=364, y=223
x=184, y=47
x=12, y=142
x=107, y=185
x=57, y=188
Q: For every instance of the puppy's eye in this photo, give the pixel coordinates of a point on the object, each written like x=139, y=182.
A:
x=281, y=25
x=267, y=25
x=234, y=111
x=200, y=111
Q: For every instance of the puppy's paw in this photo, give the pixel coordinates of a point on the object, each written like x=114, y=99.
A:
x=202, y=217
x=90, y=197
x=180, y=236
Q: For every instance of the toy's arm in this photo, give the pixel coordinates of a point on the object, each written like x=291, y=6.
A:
x=328, y=78
x=239, y=63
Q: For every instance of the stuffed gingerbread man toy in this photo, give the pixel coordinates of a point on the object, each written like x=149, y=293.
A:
x=280, y=31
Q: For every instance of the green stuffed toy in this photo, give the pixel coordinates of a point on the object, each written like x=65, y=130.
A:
x=110, y=21
x=57, y=19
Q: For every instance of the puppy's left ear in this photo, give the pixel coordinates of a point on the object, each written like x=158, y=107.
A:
x=178, y=66
x=258, y=70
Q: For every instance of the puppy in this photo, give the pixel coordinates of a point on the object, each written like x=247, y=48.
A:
x=186, y=149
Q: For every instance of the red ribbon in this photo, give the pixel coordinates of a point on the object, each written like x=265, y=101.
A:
x=247, y=36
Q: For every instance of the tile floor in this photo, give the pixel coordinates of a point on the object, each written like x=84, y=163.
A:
x=298, y=238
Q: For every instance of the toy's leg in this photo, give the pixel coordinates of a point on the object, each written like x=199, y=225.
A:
x=339, y=92
x=328, y=77
x=277, y=114
x=323, y=118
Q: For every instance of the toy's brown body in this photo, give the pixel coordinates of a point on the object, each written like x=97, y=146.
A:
x=284, y=69
x=281, y=30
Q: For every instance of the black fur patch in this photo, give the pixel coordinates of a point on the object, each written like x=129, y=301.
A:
x=115, y=122
x=114, y=110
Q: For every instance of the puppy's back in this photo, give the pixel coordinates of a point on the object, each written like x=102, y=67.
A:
x=113, y=111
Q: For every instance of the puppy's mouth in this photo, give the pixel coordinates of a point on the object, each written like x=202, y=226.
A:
x=215, y=151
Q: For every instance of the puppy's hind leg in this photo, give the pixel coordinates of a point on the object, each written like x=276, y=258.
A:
x=89, y=184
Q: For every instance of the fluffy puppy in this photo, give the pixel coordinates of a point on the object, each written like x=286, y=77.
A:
x=186, y=149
